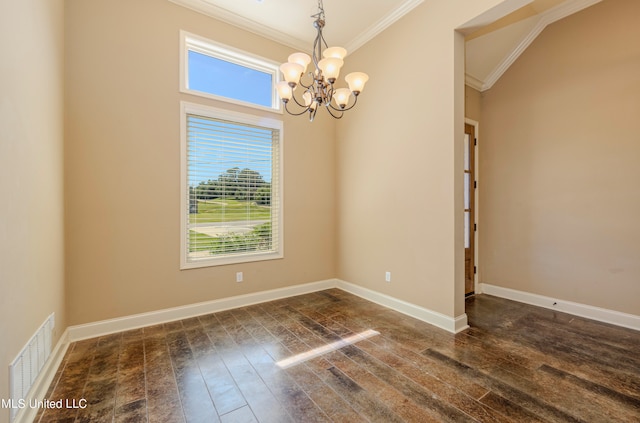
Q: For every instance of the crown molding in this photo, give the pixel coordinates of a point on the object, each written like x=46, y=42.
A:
x=375, y=29
x=546, y=18
x=492, y=15
x=473, y=82
x=509, y=60
x=241, y=22
x=565, y=9
x=224, y=15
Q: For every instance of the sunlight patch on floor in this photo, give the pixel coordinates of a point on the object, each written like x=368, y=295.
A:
x=316, y=352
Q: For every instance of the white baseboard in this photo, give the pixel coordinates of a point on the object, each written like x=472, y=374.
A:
x=40, y=386
x=451, y=324
x=617, y=318
x=106, y=327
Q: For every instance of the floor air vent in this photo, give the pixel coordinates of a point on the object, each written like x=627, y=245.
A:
x=26, y=367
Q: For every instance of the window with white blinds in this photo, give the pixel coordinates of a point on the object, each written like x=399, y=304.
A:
x=231, y=185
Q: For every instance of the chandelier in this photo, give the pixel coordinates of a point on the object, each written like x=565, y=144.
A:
x=318, y=87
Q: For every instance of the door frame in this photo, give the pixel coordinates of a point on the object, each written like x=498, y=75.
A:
x=476, y=237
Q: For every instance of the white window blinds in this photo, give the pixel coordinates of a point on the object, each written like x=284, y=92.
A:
x=232, y=190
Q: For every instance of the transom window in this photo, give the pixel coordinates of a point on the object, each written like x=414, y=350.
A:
x=231, y=187
x=213, y=70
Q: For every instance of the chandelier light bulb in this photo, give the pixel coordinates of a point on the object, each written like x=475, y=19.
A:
x=356, y=81
x=292, y=72
x=306, y=97
x=330, y=68
x=309, y=101
x=341, y=97
x=302, y=59
x=284, y=90
x=337, y=52
x=318, y=82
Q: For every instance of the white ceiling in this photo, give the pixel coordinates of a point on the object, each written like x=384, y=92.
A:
x=349, y=24
x=489, y=50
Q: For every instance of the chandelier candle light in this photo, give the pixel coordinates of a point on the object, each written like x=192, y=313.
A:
x=320, y=90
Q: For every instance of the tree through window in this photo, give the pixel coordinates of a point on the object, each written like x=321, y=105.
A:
x=231, y=187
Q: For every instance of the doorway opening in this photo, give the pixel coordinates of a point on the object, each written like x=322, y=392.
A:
x=470, y=226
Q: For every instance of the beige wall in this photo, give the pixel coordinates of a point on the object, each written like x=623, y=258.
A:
x=31, y=184
x=399, y=167
x=560, y=154
x=122, y=167
x=472, y=103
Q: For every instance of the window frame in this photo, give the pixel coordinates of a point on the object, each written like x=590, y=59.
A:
x=187, y=108
x=198, y=44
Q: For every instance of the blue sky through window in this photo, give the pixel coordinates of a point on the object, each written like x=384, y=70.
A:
x=214, y=76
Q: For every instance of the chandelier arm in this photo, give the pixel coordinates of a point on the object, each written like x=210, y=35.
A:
x=329, y=90
x=314, y=55
x=328, y=106
x=304, y=106
x=295, y=114
x=346, y=108
x=317, y=47
x=321, y=90
x=324, y=42
x=306, y=87
x=312, y=114
x=318, y=44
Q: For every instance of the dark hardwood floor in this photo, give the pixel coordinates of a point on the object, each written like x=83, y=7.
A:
x=331, y=356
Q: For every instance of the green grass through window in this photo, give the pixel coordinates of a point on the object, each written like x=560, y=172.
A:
x=227, y=210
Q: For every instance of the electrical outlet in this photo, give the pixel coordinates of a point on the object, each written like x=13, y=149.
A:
x=387, y=276
x=239, y=277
